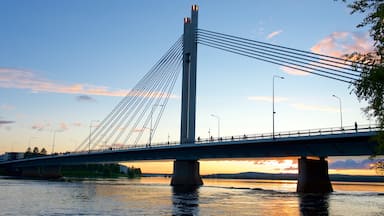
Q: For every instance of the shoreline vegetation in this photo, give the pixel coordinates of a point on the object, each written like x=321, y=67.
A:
x=280, y=176
x=88, y=171
x=100, y=171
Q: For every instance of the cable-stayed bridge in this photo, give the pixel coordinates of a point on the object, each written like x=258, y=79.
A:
x=119, y=137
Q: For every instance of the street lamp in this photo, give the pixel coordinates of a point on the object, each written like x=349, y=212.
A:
x=218, y=125
x=90, y=134
x=54, y=140
x=209, y=134
x=273, y=104
x=150, y=128
x=341, y=113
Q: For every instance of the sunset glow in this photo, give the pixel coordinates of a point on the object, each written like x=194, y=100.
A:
x=65, y=65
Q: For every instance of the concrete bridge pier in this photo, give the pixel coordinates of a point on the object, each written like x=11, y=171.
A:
x=313, y=176
x=186, y=173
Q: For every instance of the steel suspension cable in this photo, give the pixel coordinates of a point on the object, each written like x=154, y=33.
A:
x=146, y=104
x=145, y=95
x=279, y=54
x=161, y=101
x=265, y=59
x=271, y=58
x=133, y=95
x=136, y=94
x=316, y=56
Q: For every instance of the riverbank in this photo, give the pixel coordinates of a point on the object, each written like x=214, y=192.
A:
x=76, y=171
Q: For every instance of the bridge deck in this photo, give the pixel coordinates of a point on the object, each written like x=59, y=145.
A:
x=346, y=142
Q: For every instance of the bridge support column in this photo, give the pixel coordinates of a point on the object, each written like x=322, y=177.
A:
x=186, y=173
x=313, y=176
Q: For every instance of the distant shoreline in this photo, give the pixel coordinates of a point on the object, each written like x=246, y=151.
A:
x=280, y=176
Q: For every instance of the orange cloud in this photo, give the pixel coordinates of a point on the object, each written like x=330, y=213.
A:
x=23, y=79
x=274, y=34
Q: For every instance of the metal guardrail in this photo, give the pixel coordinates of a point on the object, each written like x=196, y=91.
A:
x=261, y=136
x=213, y=140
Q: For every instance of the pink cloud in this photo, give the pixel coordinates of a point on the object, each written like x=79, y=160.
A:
x=274, y=34
x=338, y=44
x=63, y=126
x=41, y=126
x=77, y=124
x=23, y=79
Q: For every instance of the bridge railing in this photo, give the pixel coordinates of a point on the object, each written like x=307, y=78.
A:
x=297, y=133
x=277, y=135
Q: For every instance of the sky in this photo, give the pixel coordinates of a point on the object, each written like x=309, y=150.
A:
x=66, y=64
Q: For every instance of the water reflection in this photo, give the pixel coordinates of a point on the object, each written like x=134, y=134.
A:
x=185, y=200
x=314, y=204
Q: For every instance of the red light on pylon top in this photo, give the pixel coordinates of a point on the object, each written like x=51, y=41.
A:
x=195, y=8
x=187, y=20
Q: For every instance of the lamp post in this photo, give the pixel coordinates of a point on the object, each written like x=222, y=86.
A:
x=209, y=134
x=218, y=125
x=273, y=104
x=54, y=140
x=150, y=128
x=90, y=134
x=341, y=113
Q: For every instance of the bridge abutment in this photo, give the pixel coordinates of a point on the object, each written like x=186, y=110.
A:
x=313, y=176
x=186, y=173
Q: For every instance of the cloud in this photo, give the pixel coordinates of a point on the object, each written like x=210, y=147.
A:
x=293, y=71
x=77, y=124
x=274, y=34
x=283, y=165
x=63, y=126
x=58, y=127
x=351, y=164
x=85, y=98
x=24, y=79
x=6, y=107
x=338, y=44
x=267, y=99
x=41, y=126
x=301, y=106
x=3, y=122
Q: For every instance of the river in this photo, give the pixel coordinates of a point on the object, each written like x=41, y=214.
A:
x=154, y=196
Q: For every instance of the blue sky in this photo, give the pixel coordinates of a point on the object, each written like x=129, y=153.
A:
x=66, y=63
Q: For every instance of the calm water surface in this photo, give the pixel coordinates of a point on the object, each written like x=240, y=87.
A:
x=154, y=196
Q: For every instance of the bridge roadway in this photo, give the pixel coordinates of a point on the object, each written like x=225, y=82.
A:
x=319, y=143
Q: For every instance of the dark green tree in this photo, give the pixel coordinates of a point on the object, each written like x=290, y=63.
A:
x=370, y=86
x=43, y=151
x=35, y=150
x=29, y=150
